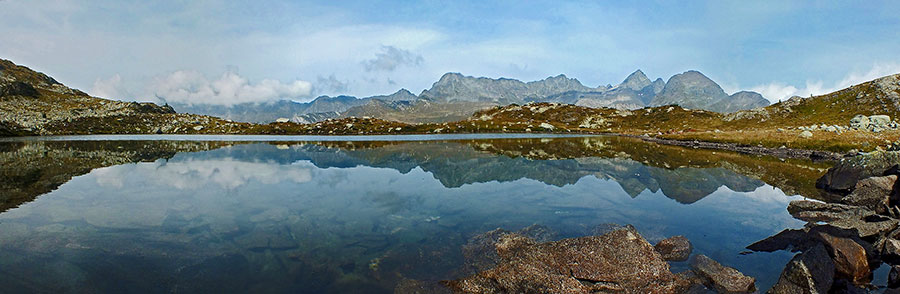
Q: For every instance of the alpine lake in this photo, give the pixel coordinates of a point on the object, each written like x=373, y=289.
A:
x=360, y=214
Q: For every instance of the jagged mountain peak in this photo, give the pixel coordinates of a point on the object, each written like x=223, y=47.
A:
x=690, y=89
x=636, y=81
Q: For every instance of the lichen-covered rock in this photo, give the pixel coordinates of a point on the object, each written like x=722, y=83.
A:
x=809, y=272
x=677, y=248
x=722, y=278
x=620, y=261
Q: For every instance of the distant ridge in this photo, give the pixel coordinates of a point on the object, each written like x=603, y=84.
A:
x=455, y=96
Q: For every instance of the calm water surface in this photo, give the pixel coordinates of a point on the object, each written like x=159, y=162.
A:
x=227, y=214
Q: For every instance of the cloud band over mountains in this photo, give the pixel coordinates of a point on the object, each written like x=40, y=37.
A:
x=192, y=87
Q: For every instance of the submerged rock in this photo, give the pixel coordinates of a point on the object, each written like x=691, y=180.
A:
x=677, y=248
x=722, y=278
x=620, y=261
x=809, y=272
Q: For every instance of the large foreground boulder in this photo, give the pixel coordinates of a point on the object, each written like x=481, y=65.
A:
x=619, y=261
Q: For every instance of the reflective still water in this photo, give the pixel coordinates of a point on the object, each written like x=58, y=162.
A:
x=359, y=216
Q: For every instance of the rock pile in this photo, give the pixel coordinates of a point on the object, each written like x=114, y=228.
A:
x=847, y=237
x=873, y=123
x=620, y=261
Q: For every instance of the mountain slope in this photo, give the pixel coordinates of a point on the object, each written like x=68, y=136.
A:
x=879, y=96
x=740, y=101
x=690, y=89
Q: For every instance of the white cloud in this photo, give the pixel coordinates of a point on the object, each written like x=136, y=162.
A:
x=192, y=87
x=777, y=91
x=390, y=58
x=194, y=174
x=110, y=88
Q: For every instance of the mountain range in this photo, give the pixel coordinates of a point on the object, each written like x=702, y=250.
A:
x=455, y=96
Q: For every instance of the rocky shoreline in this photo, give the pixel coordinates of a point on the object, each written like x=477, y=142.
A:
x=816, y=155
x=847, y=238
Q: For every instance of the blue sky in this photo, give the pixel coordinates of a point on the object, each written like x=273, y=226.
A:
x=225, y=52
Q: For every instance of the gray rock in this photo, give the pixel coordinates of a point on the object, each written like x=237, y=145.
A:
x=861, y=219
x=806, y=134
x=809, y=272
x=880, y=120
x=814, y=211
x=872, y=193
x=722, y=278
x=859, y=122
x=677, y=248
x=842, y=178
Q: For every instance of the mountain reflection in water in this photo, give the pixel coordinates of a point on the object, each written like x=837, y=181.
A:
x=166, y=216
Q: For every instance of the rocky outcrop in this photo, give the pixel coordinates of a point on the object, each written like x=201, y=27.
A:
x=17, y=89
x=618, y=261
x=857, y=232
x=873, y=123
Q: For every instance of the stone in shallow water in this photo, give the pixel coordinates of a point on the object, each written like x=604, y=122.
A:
x=620, y=261
x=677, y=248
x=724, y=279
x=809, y=272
